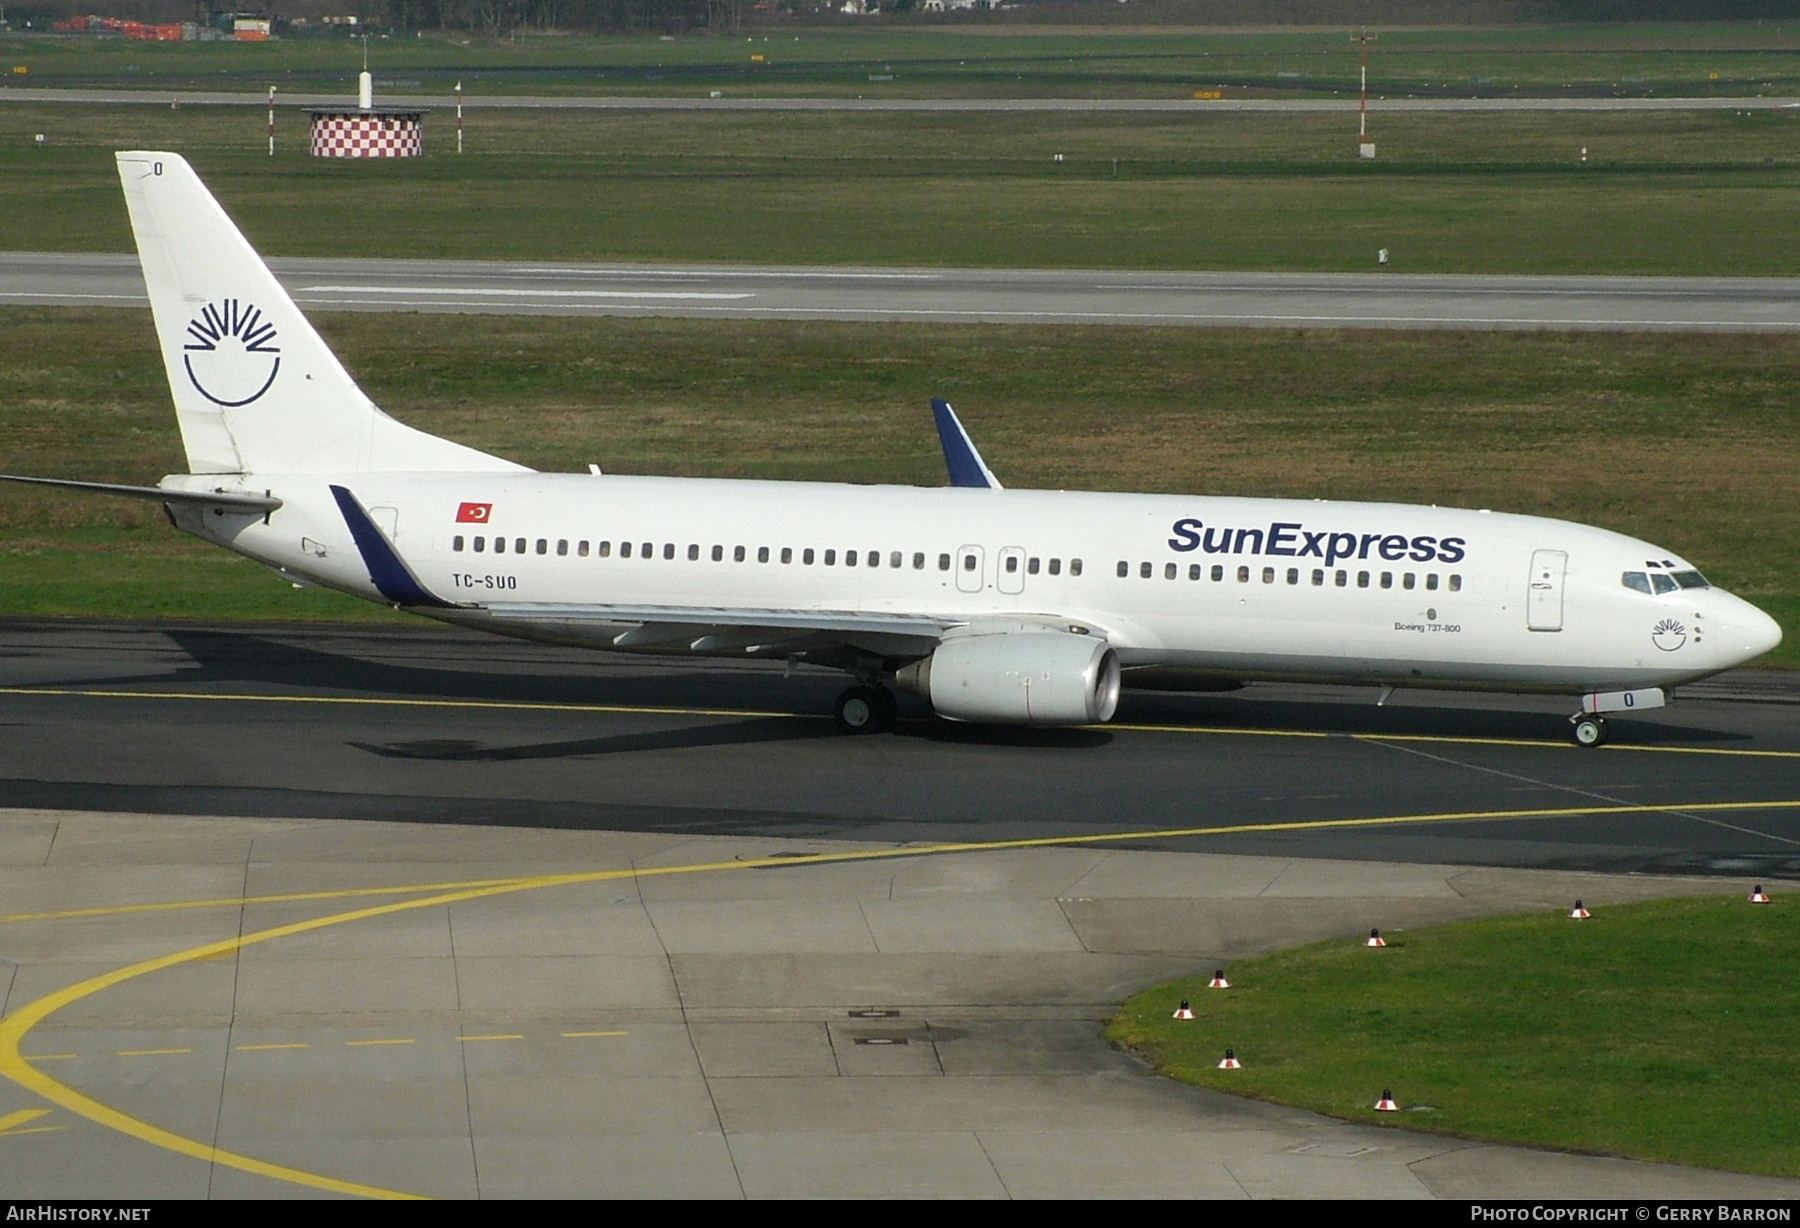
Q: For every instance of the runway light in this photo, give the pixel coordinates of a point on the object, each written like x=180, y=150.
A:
x=1218, y=980
x=1386, y=1103
x=1184, y=1011
x=1757, y=896
x=1375, y=939
x=1578, y=913
x=1229, y=1061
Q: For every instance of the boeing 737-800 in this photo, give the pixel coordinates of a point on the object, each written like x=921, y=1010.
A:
x=1005, y=606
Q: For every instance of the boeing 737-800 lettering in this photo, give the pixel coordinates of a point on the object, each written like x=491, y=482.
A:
x=1006, y=606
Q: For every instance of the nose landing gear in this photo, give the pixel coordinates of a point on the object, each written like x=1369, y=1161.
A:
x=1589, y=729
x=865, y=709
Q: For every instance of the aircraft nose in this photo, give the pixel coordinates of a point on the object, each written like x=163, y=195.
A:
x=1749, y=633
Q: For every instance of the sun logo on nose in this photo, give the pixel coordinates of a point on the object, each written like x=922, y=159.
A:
x=231, y=357
x=1668, y=635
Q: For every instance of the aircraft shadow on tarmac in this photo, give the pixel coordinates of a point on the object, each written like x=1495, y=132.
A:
x=227, y=657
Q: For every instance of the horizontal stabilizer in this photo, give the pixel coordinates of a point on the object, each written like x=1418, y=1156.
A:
x=387, y=571
x=964, y=462
x=262, y=505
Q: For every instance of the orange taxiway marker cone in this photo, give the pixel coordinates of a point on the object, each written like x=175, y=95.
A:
x=1757, y=896
x=1183, y=1011
x=1375, y=939
x=1578, y=913
x=1386, y=1103
x=1230, y=1061
x=1219, y=981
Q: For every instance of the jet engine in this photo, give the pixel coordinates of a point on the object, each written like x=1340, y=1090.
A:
x=1019, y=678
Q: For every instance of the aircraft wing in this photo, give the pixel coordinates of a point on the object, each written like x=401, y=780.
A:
x=707, y=628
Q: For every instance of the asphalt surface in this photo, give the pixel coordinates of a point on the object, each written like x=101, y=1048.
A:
x=447, y=727
x=155, y=97
x=1287, y=300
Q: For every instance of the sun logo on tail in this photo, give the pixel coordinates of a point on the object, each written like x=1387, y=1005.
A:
x=231, y=357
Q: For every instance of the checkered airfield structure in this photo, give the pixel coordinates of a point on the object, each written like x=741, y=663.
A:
x=368, y=134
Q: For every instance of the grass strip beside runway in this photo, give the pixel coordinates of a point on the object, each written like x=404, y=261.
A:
x=1662, y=1031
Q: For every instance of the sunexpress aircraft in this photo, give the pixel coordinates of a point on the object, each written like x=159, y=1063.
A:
x=1002, y=606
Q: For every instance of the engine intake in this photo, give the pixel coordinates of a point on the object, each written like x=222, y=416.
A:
x=1019, y=678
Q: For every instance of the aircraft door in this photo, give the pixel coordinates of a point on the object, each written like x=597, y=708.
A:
x=1010, y=577
x=971, y=569
x=1544, y=608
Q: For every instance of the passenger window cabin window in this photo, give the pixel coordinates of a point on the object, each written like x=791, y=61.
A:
x=896, y=560
x=1318, y=577
x=1218, y=573
x=806, y=556
x=604, y=550
x=943, y=562
x=647, y=550
x=1169, y=571
x=762, y=554
x=1124, y=569
x=518, y=545
x=1293, y=575
x=1243, y=575
x=581, y=549
x=1144, y=569
x=1661, y=583
x=562, y=546
x=787, y=554
x=969, y=562
x=669, y=550
x=1074, y=567
x=737, y=554
x=693, y=552
x=1431, y=582
x=1387, y=579
x=1031, y=566
x=918, y=560
x=624, y=550
x=872, y=558
x=718, y=554
x=849, y=558
x=543, y=546
x=1342, y=578
x=1194, y=571
x=1268, y=575
x=456, y=544
x=480, y=544
x=499, y=545
x=1456, y=584
x=831, y=558
x=1406, y=581
x=1012, y=564
x=1362, y=579
x=1056, y=567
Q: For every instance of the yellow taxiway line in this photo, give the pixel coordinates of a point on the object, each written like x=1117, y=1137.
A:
x=649, y=710
x=16, y=1066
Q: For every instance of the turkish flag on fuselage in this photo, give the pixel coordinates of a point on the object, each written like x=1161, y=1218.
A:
x=474, y=513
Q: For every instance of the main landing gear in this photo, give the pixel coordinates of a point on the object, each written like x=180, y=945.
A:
x=865, y=709
x=1589, y=730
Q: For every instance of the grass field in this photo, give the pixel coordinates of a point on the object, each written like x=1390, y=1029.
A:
x=1680, y=193
x=973, y=60
x=1662, y=1031
x=1690, y=441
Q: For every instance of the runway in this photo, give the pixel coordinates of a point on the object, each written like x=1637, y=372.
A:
x=406, y=913
x=447, y=727
x=156, y=97
x=1010, y=296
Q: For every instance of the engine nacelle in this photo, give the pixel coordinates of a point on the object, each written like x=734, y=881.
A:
x=1019, y=678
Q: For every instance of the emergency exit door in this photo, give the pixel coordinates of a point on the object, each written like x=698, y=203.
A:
x=1544, y=607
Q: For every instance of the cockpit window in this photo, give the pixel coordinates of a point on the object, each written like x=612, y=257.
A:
x=1691, y=579
x=1636, y=580
x=1662, y=583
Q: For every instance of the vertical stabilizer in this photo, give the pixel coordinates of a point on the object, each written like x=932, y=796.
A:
x=256, y=389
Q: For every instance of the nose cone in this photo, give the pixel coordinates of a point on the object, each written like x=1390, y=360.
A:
x=1748, y=632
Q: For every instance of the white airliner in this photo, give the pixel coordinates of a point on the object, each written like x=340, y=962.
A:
x=1003, y=606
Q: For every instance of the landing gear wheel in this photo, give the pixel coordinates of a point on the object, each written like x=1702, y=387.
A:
x=1590, y=730
x=865, y=709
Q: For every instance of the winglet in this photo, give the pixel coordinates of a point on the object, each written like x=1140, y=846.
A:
x=386, y=570
x=964, y=462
